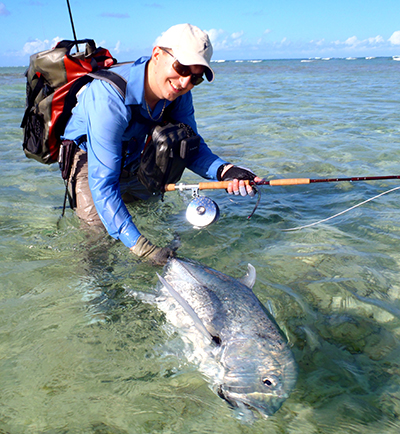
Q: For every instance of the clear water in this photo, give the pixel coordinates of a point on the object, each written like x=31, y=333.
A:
x=79, y=356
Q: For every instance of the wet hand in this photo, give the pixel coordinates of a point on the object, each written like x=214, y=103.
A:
x=156, y=255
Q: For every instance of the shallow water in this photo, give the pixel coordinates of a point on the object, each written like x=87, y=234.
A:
x=77, y=355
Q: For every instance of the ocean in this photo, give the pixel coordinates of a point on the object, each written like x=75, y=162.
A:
x=79, y=355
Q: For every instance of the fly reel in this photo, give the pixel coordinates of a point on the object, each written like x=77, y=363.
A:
x=202, y=211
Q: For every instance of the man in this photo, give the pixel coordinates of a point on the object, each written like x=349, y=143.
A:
x=104, y=172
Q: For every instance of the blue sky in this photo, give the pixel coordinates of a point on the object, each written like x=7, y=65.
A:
x=252, y=29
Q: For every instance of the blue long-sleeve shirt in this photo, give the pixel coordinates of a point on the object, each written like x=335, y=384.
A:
x=104, y=118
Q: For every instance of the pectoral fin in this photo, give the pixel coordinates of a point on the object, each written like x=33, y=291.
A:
x=188, y=309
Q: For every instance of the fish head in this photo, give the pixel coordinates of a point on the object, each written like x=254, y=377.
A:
x=257, y=378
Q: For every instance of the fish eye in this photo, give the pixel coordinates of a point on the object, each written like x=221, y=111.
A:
x=270, y=381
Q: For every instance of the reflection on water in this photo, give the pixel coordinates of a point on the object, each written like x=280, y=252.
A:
x=78, y=355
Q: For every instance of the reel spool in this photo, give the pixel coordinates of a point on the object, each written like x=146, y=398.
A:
x=202, y=211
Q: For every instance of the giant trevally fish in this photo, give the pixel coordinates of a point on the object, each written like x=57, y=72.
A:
x=253, y=366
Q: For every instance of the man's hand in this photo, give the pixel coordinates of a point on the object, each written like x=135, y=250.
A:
x=146, y=250
x=238, y=175
x=238, y=187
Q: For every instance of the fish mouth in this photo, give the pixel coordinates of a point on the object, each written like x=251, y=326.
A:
x=255, y=401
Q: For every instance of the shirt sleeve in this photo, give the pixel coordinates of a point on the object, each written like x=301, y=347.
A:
x=107, y=119
x=205, y=163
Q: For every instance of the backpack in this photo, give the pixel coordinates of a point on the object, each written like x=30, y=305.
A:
x=54, y=78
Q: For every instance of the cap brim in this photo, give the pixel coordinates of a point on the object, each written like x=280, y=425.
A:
x=209, y=74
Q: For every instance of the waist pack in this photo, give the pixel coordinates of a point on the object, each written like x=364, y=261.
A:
x=166, y=155
x=54, y=78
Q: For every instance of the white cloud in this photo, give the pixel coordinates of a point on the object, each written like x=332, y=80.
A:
x=377, y=40
x=38, y=45
x=237, y=35
x=236, y=38
x=267, y=31
x=395, y=38
x=237, y=44
x=352, y=41
x=35, y=46
x=219, y=39
x=214, y=34
x=318, y=43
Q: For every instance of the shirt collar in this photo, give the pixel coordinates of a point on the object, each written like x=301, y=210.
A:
x=135, y=86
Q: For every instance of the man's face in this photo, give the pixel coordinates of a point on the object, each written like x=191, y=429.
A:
x=168, y=83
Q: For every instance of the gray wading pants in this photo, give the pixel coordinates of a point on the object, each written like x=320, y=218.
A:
x=79, y=191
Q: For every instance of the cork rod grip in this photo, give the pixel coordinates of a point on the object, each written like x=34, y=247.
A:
x=293, y=181
x=204, y=185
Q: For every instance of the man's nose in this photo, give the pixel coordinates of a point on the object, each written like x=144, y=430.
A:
x=185, y=81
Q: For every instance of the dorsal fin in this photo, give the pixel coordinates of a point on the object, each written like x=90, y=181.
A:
x=249, y=279
x=188, y=309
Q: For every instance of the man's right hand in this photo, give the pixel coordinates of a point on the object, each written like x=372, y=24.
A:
x=237, y=175
x=146, y=250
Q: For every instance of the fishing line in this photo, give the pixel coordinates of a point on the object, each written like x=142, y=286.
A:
x=258, y=192
x=342, y=212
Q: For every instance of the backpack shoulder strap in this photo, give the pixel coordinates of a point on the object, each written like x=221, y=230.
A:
x=120, y=83
x=112, y=78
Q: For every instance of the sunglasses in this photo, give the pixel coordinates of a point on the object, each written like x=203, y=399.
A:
x=184, y=71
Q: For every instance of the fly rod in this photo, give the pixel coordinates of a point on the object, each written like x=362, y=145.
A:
x=274, y=182
x=72, y=25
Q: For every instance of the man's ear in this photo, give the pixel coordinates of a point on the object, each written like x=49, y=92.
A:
x=156, y=53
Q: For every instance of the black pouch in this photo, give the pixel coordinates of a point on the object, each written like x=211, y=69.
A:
x=33, y=133
x=66, y=157
x=166, y=155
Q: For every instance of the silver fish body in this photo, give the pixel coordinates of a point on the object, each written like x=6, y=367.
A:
x=257, y=365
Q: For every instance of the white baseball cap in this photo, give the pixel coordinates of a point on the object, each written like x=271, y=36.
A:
x=191, y=46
